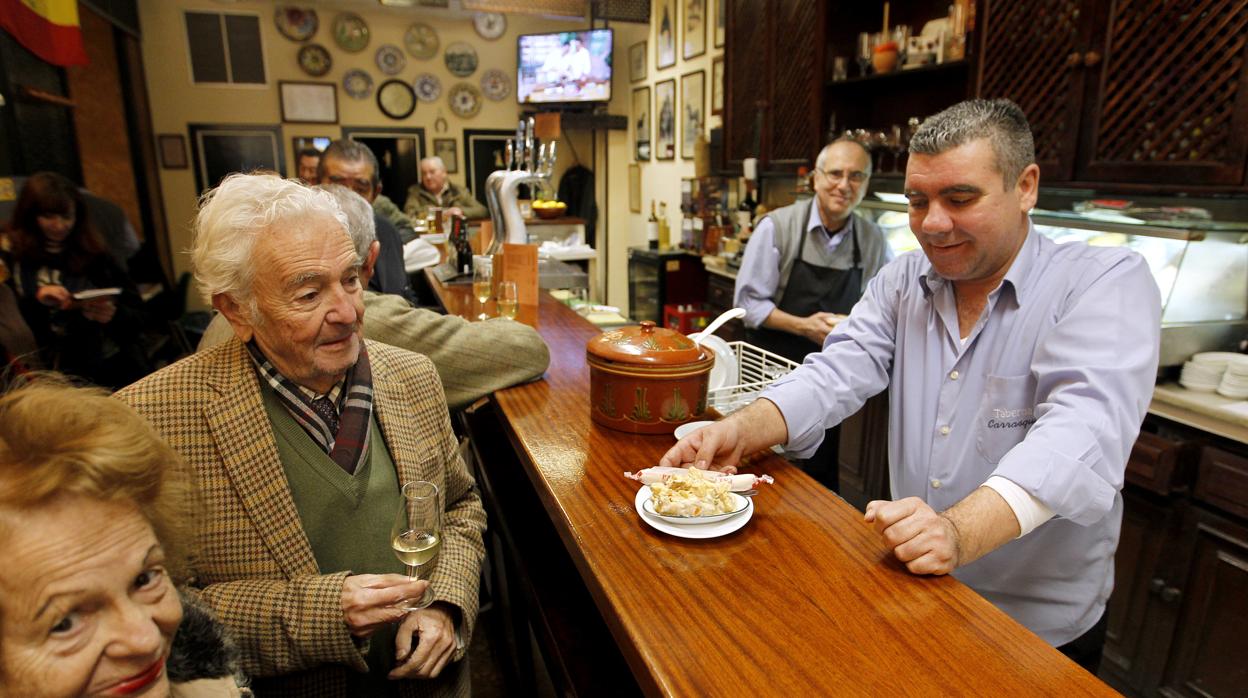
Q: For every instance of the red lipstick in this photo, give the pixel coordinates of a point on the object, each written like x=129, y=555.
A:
x=138, y=682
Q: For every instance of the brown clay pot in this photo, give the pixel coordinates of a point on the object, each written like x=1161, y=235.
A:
x=646, y=379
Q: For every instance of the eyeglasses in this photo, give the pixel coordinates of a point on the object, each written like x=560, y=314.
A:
x=834, y=176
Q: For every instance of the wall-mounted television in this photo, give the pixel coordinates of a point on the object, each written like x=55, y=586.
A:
x=564, y=67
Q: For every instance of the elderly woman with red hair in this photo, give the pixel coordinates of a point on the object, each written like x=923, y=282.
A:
x=91, y=531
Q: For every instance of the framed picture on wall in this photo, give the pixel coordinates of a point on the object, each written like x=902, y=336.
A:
x=172, y=151
x=717, y=86
x=665, y=107
x=221, y=149
x=483, y=153
x=720, y=23
x=637, y=61
x=641, y=123
x=445, y=148
x=693, y=29
x=692, y=114
x=665, y=40
x=308, y=102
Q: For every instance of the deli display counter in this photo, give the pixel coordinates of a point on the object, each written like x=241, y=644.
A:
x=1201, y=267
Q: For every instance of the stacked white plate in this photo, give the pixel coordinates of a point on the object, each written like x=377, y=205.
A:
x=1203, y=373
x=1235, y=381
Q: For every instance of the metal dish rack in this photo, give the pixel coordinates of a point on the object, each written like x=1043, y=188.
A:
x=756, y=369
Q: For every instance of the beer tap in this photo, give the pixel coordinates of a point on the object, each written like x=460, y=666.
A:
x=534, y=168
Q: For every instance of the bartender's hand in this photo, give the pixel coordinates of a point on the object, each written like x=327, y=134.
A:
x=721, y=445
x=425, y=643
x=369, y=600
x=817, y=326
x=925, y=541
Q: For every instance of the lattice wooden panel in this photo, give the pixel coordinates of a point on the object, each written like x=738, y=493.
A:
x=749, y=74
x=795, y=89
x=1025, y=51
x=623, y=10
x=1172, y=81
x=558, y=8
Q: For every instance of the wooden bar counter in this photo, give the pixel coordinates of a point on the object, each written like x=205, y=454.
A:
x=804, y=600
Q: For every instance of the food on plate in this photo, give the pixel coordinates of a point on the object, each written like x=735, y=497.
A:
x=691, y=493
x=736, y=483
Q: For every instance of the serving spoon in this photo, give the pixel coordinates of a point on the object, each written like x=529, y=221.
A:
x=730, y=314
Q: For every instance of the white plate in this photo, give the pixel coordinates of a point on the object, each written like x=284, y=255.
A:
x=688, y=428
x=712, y=530
x=738, y=502
x=724, y=371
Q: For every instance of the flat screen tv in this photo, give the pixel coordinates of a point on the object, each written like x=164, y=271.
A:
x=564, y=68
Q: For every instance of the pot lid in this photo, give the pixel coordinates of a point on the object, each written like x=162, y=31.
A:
x=646, y=344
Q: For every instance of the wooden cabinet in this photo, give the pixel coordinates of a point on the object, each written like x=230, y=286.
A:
x=719, y=291
x=1152, y=92
x=773, y=61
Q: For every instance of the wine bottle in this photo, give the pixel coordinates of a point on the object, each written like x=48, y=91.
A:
x=665, y=228
x=463, y=251
x=652, y=229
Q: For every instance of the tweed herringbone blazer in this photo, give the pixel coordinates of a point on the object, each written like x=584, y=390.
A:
x=251, y=559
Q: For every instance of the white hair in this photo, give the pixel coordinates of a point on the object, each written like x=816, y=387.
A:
x=827, y=149
x=435, y=159
x=233, y=216
x=360, y=223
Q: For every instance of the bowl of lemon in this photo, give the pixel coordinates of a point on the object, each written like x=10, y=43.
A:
x=545, y=208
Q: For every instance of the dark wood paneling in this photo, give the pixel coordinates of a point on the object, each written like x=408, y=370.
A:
x=1208, y=658
x=1168, y=100
x=1153, y=463
x=1223, y=480
x=863, y=454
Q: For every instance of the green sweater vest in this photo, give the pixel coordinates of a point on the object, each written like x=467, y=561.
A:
x=346, y=517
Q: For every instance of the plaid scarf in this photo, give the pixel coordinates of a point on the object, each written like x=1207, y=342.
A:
x=348, y=447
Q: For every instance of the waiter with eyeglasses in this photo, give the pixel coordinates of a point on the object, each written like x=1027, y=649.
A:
x=805, y=267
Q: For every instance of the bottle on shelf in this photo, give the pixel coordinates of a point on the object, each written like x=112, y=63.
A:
x=652, y=229
x=745, y=210
x=463, y=251
x=665, y=228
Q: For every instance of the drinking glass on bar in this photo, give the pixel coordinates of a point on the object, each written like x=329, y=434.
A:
x=507, y=300
x=416, y=536
x=481, y=286
x=865, y=45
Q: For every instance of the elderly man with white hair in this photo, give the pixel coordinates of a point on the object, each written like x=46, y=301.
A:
x=436, y=190
x=300, y=433
x=473, y=358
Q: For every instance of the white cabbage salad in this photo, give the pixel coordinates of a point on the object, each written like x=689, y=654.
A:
x=691, y=493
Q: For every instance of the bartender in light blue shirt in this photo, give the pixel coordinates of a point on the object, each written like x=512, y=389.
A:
x=1019, y=373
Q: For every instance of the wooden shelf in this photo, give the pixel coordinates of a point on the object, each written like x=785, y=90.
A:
x=898, y=75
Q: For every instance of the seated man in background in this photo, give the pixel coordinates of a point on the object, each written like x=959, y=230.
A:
x=300, y=434
x=436, y=190
x=473, y=358
x=353, y=165
x=307, y=160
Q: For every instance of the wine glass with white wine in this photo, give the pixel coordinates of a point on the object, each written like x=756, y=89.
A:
x=417, y=535
x=507, y=300
x=482, y=279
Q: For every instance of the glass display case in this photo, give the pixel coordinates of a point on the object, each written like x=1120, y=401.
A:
x=1201, y=267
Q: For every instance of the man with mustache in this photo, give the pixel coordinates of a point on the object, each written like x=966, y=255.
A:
x=300, y=434
x=1019, y=371
x=807, y=264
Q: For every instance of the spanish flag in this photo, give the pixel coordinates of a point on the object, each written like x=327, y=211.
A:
x=48, y=28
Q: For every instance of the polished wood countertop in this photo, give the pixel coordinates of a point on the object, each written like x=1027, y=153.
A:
x=803, y=600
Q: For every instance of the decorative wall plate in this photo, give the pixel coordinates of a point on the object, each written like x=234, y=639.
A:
x=428, y=87
x=295, y=23
x=350, y=32
x=489, y=25
x=461, y=59
x=396, y=99
x=495, y=84
x=390, y=59
x=315, y=60
x=357, y=84
x=465, y=100
x=421, y=41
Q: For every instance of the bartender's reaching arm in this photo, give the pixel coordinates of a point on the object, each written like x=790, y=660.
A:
x=721, y=445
